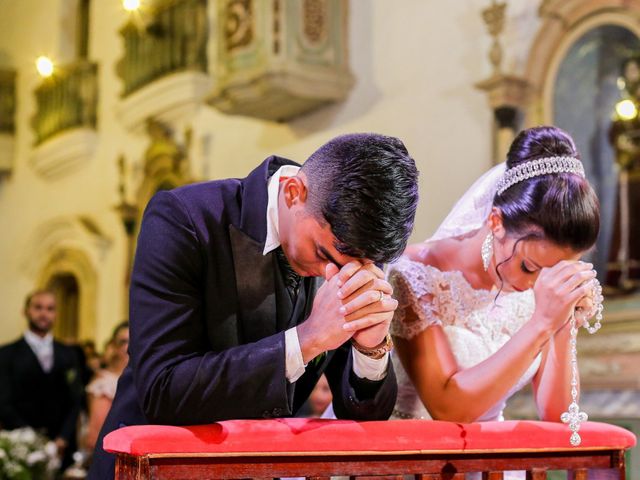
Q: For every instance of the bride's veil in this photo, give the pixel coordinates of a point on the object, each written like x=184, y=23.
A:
x=472, y=210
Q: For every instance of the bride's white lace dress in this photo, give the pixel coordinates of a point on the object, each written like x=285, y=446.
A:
x=474, y=321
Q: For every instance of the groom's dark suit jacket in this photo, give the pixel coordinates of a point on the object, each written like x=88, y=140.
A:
x=207, y=318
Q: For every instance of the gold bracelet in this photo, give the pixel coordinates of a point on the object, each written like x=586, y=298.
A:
x=376, y=352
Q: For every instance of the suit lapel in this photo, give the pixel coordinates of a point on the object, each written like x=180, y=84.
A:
x=260, y=314
x=255, y=284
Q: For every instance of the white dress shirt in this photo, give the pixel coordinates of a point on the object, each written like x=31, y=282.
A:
x=363, y=366
x=42, y=347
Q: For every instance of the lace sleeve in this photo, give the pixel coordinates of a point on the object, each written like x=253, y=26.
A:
x=415, y=288
x=104, y=385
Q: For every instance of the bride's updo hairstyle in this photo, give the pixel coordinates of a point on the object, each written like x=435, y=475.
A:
x=559, y=207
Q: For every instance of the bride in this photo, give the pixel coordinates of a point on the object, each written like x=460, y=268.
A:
x=484, y=304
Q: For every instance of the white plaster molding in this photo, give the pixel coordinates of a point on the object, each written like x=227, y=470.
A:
x=64, y=233
x=64, y=153
x=169, y=99
x=6, y=153
x=281, y=94
x=73, y=245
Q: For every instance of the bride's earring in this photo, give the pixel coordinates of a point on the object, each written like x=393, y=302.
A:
x=487, y=250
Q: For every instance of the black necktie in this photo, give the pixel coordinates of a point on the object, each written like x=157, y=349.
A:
x=290, y=277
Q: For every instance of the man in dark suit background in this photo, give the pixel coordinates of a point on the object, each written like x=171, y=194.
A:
x=229, y=314
x=39, y=379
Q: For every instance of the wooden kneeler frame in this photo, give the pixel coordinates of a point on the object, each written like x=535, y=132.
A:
x=303, y=448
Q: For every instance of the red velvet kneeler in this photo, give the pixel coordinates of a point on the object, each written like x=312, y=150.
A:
x=314, y=447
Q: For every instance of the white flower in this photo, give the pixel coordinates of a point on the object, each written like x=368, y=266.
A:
x=27, y=435
x=19, y=451
x=12, y=468
x=24, y=451
x=36, y=457
x=51, y=450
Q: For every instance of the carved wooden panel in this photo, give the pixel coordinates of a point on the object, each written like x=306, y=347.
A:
x=278, y=59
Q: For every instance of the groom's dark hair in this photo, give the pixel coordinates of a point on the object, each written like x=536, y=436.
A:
x=365, y=186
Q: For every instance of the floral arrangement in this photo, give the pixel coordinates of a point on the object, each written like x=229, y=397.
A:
x=27, y=455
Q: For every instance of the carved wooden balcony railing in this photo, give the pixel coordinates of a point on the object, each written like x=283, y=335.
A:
x=426, y=450
x=7, y=120
x=171, y=37
x=7, y=101
x=66, y=100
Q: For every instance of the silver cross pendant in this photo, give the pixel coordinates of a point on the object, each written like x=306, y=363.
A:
x=574, y=417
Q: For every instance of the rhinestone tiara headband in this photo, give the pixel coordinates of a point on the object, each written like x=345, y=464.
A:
x=541, y=166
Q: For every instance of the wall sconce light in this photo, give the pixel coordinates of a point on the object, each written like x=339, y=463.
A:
x=44, y=65
x=131, y=5
x=626, y=110
x=142, y=17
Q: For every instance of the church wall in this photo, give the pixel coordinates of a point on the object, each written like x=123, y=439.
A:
x=415, y=65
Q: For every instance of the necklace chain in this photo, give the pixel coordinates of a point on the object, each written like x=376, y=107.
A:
x=573, y=416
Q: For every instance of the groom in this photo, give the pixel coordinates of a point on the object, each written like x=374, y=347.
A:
x=244, y=291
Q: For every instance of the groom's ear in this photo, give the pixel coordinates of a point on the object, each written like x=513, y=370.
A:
x=495, y=223
x=295, y=191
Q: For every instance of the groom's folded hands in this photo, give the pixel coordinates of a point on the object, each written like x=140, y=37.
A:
x=354, y=302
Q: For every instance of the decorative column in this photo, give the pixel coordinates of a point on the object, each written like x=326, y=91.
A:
x=507, y=94
x=129, y=215
x=165, y=165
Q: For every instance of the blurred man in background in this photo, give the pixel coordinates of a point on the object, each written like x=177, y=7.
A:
x=39, y=379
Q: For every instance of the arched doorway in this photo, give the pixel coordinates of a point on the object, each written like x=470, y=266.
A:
x=67, y=291
x=71, y=276
x=583, y=96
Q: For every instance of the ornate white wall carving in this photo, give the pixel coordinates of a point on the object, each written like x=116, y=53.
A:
x=64, y=153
